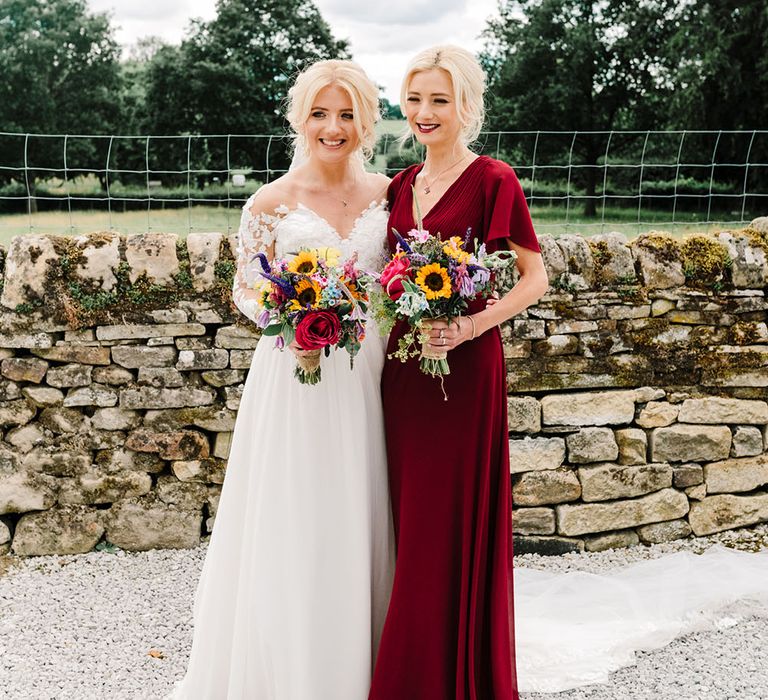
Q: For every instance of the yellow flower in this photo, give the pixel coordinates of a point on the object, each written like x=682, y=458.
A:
x=305, y=263
x=434, y=280
x=307, y=294
x=453, y=248
x=330, y=255
x=354, y=290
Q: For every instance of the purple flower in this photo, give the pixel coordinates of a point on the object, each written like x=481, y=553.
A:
x=262, y=321
x=481, y=276
x=403, y=245
x=285, y=287
x=264, y=263
x=279, y=342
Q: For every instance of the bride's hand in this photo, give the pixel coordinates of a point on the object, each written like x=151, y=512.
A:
x=447, y=336
x=493, y=299
x=297, y=350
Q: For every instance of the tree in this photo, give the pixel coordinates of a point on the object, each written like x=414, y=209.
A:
x=231, y=75
x=578, y=65
x=719, y=80
x=60, y=71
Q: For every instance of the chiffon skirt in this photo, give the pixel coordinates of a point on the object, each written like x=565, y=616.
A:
x=296, y=581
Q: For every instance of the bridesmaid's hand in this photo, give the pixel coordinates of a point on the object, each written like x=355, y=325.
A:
x=447, y=336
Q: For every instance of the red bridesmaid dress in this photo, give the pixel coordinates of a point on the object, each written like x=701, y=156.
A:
x=449, y=631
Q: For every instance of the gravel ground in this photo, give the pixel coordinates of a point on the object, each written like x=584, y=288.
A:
x=114, y=625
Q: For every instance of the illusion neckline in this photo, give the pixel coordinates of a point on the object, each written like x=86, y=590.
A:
x=373, y=206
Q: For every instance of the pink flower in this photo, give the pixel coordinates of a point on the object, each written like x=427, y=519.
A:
x=393, y=274
x=418, y=235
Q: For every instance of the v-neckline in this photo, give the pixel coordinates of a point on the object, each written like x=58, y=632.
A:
x=371, y=207
x=442, y=197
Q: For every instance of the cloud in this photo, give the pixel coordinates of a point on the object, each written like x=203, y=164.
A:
x=392, y=12
x=383, y=36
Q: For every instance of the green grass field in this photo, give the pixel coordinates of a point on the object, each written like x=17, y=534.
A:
x=209, y=218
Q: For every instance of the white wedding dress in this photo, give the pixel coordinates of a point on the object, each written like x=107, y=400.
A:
x=576, y=628
x=296, y=580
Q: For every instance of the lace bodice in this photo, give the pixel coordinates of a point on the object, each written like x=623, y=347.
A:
x=301, y=227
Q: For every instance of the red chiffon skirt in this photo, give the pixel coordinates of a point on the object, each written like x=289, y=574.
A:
x=449, y=632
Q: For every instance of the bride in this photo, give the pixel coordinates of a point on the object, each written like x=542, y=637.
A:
x=297, y=577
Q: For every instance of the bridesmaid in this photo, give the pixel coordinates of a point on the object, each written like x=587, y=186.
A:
x=449, y=631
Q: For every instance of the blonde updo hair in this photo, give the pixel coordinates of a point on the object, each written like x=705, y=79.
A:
x=467, y=78
x=350, y=77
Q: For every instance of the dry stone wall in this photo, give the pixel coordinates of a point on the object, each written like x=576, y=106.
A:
x=638, y=390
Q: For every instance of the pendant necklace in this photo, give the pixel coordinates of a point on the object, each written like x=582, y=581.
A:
x=428, y=185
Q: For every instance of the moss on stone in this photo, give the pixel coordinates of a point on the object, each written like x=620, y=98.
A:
x=706, y=262
x=757, y=238
x=601, y=256
x=664, y=246
x=743, y=333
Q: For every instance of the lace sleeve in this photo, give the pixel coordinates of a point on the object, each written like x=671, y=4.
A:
x=255, y=235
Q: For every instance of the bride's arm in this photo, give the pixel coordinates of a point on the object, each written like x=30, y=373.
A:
x=255, y=236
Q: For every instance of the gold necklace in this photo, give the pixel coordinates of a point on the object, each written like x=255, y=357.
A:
x=428, y=186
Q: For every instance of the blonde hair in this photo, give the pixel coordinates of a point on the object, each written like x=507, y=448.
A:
x=467, y=78
x=352, y=79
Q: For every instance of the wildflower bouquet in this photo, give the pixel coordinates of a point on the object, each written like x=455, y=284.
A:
x=431, y=278
x=314, y=300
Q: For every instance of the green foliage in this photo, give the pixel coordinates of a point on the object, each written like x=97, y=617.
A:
x=60, y=75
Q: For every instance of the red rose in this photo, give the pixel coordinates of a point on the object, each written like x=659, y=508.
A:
x=393, y=274
x=318, y=329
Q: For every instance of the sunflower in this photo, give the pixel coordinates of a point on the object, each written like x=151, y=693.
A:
x=434, y=280
x=305, y=263
x=453, y=248
x=307, y=295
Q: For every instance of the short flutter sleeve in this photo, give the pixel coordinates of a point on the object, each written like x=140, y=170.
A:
x=506, y=210
x=394, y=187
x=255, y=235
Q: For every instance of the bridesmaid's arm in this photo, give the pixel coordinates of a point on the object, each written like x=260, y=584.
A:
x=531, y=286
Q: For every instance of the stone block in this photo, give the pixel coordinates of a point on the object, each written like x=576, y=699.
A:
x=76, y=354
x=747, y=441
x=533, y=454
x=581, y=519
x=607, y=482
x=42, y=396
x=209, y=471
x=149, y=397
x=545, y=487
x=138, y=331
x=726, y=512
x=24, y=369
x=580, y=264
x=152, y=525
x=236, y=338
x=611, y=540
x=589, y=408
x=222, y=445
x=50, y=459
x=684, y=475
x=18, y=412
x=723, y=410
x=547, y=546
x=25, y=437
x=183, y=495
x=523, y=413
x=232, y=396
x=153, y=255
x=161, y=377
x=683, y=443
x=113, y=375
x=659, y=261
x=533, y=521
x=176, y=445
x=658, y=414
x=592, y=445
x=137, y=356
x=656, y=533
x=557, y=345
x=99, y=259
x=24, y=491
x=93, y=395
x=203, y=251
x=736, y=475
x=240, y=359
x=202, y=359
x=94, y=487
x=115, y=419
x=119, y=459
x=61, y=530
x=59, y=419
x=529, y=329
x=633, y=445
x=228, y=377
x=69, y=376
x=27, y=265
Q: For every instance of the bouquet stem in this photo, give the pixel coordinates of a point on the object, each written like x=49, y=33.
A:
x=308, y=367
x=434, y=363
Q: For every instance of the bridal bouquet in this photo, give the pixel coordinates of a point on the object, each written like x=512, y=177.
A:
x=313, y=299
x=430, y=278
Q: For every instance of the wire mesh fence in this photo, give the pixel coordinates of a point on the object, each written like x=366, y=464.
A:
x=577, y=181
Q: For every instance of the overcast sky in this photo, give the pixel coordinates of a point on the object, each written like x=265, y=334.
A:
x=383, y=35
